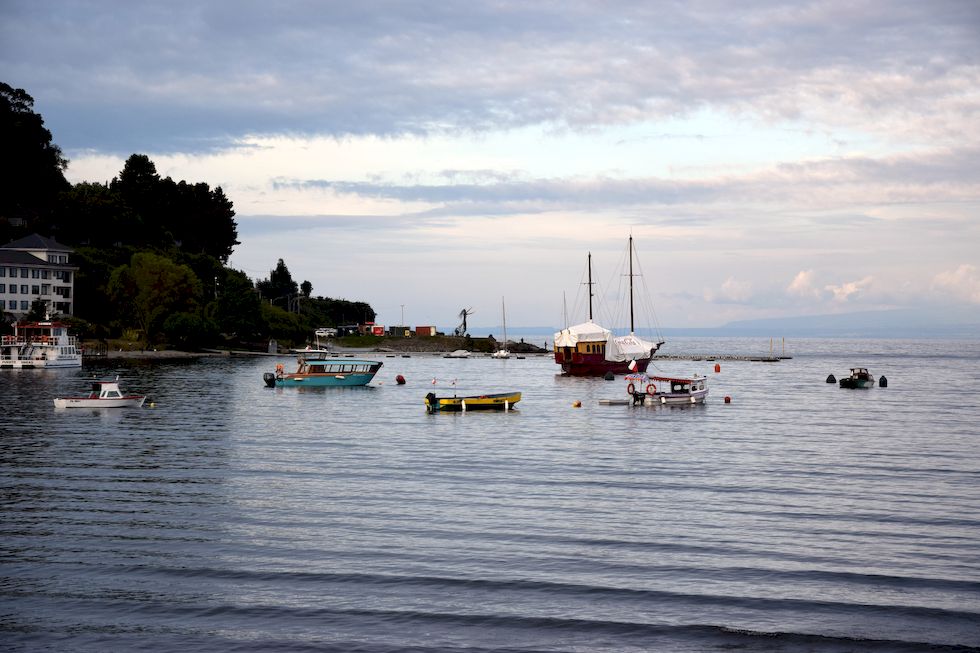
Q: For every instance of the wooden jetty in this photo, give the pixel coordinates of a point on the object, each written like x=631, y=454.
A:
x=721, y=357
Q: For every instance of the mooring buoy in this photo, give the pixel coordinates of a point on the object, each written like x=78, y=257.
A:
x=831, y=379
x=882, y=382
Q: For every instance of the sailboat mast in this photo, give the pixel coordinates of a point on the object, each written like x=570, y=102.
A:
x=631, y=285
x=590, y=286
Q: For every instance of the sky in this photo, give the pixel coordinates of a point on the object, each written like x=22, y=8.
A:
x=769, y=159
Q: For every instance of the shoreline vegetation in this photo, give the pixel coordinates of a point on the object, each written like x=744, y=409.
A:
x=350, y=344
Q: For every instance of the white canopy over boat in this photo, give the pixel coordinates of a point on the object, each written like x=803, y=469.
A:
x=585, y=332
x=624, y=348
x=618, y=348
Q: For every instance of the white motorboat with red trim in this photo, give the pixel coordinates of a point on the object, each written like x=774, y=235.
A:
x=667, y=390
x=105, y=394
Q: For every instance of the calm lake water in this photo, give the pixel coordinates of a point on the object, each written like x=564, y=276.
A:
x=233, y=517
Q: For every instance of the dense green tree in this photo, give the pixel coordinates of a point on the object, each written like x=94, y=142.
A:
x=285, y=326
x=189, y=330
x=153, y=287
x=279, y=288
x=239, y=309
x=39, y=311
x=306, y=288
x=92, y=214
x=32, y=168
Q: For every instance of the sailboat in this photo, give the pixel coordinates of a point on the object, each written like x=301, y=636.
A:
x=589, y=349
x=502, y=352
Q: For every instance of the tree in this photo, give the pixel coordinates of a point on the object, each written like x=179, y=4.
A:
x=238, y=308
x=32, y=169
x=150, y=288
x=306, y=288
x=279, y=286
x=38, y=312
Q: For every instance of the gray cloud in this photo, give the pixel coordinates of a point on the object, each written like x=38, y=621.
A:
x=190, y=76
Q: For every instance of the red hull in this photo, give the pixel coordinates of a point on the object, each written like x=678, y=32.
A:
x=577, y=364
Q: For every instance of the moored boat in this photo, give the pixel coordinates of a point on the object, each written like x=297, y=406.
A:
x=104, y=394
x=860, y=378
x=324, y=372
x=39, y=345
x=589, y=349
x=667, y=390
x=500, y=401
x=459, y=353
x=503, y=352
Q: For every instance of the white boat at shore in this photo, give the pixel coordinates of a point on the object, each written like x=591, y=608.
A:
x=104, y=394
x=39, y=345
x=459, y=353
x=502, y=352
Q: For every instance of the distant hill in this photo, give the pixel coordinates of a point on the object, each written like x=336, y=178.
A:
x=897, y=323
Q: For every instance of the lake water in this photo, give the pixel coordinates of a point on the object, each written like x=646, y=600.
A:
x=229, y=516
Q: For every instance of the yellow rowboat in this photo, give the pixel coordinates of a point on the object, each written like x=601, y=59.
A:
x=500, y=401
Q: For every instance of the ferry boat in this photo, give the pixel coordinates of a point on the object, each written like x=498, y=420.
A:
x=667, y=390
x=324, y=372
x=39, y=345
x=105, y=394
x=588, y=349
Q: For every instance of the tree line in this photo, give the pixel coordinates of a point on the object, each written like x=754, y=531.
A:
x=152, y=252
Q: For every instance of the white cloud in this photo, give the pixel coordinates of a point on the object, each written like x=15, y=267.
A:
x=802, y=285
x=850, y=290
x=962, y=283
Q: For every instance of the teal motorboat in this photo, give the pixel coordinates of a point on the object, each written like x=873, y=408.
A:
x=324, y=372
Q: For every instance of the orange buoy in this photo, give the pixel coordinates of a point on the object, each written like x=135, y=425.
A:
x=728, y=399
x=576, y=404
x=717, y=367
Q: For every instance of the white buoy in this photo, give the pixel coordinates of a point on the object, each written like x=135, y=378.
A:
x=464, y=405
x=506, y=405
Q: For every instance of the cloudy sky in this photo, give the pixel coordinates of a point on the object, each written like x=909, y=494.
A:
x=770, y=159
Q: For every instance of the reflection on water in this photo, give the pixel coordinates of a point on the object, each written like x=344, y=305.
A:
x=235, y=516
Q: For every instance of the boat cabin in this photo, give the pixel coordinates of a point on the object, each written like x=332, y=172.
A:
x=106, y=390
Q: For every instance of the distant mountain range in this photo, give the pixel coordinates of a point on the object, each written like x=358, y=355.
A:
x=898, y=323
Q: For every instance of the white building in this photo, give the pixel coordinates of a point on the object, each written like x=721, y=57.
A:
x=33, y=268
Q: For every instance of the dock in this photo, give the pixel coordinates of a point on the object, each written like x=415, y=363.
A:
x=721, y=357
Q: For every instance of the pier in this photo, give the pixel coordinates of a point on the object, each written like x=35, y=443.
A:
x=721, y=357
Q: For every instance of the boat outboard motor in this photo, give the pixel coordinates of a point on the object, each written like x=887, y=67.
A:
x=431, y=402
x=270, y=379
x=609, y=376
x=638, y=397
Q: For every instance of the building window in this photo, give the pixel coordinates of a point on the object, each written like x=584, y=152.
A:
x=45, y=288
x=35, y=290
x=45, y=274
x=12, y=304
x=24, y=273
x=23, y=289
x=3, y=272
x=13, y=289
x=3, y=287
x=35, y=274
x=23, y=305
x=13, y=272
